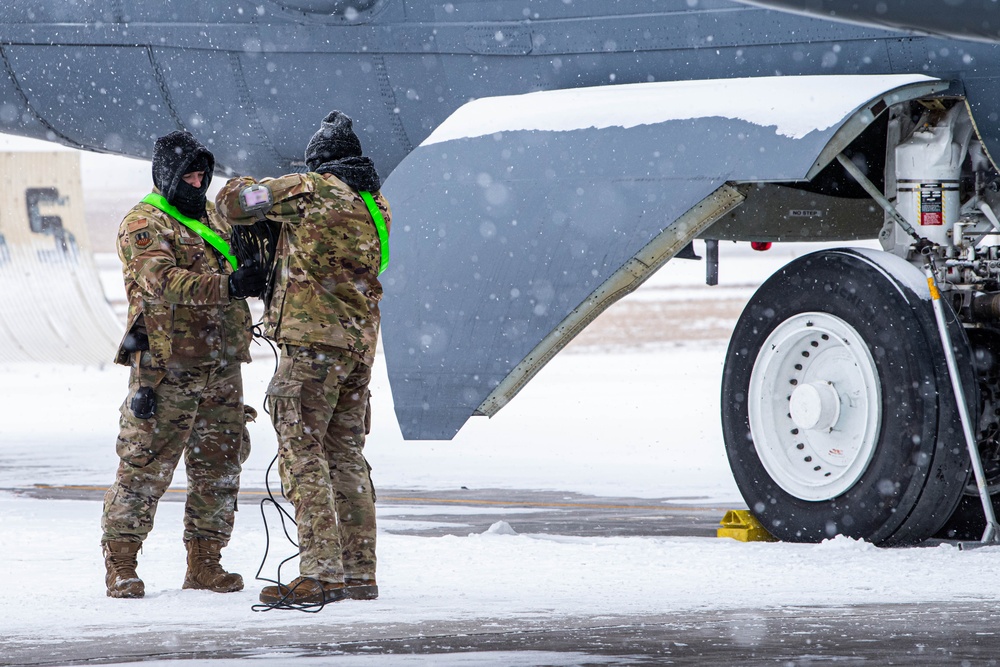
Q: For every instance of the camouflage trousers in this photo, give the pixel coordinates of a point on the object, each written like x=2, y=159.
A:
x=319, y=406
x=199, y=414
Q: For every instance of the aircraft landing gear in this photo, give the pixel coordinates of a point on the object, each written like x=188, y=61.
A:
x=837, y=409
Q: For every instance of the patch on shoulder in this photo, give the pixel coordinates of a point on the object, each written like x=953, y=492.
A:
x=142, y=240
x=137, y=224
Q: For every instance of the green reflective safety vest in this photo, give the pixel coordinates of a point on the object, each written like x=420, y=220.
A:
x=383, y=233
x=197, y=226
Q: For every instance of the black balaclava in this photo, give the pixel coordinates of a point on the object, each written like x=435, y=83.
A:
x=335, y=149
x=174, y=155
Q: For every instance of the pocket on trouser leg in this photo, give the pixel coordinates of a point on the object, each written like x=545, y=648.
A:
x=137, y=442
x=371, y=484
x=249, y=415
x=368, y=414
x=284, y=401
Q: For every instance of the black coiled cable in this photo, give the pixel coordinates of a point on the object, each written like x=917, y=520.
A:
x=256, y=244
x=287, y=600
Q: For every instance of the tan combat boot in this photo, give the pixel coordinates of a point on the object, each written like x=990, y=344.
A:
x=120, y=562
x=361, y=589
x=303, y=590
x=204, y=571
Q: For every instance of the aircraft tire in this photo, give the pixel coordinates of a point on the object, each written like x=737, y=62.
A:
x=838, y=414
x=968, y=522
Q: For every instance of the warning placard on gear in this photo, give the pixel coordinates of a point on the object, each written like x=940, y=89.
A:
x=930, y=207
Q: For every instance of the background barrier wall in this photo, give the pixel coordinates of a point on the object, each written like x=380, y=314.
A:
x=52, y=304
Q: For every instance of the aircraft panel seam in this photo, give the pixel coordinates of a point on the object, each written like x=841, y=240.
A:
x=249, y=108
x=389, y=97
x=164, y=89
x=27, y=102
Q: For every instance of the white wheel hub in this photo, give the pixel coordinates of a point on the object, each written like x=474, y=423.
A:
x=815, y=406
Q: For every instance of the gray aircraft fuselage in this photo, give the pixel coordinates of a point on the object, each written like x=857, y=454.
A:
x=252, y=79
x=964, y=19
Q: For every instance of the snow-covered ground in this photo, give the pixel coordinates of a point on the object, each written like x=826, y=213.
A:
x=640, y=423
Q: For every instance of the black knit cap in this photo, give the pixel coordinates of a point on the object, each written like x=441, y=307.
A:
x=334, y=140
x=176, y=154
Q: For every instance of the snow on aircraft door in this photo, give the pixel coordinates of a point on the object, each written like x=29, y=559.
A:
x=578, y=196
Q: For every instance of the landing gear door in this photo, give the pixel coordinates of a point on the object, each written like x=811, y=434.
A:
x=522, y=217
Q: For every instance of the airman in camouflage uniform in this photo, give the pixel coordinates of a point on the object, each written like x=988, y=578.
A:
x=185, y=340
x=324, y=315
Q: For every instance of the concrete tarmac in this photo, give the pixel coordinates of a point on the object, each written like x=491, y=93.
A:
x=961, y=633
x=552, y=512
x=940, y=634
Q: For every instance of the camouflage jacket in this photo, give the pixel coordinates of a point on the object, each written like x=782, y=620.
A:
x=178, y=290
x=326, y=288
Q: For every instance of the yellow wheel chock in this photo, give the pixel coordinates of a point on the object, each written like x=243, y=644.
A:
x=743, y=526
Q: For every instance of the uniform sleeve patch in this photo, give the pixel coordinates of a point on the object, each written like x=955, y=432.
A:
x=137, y=224
x=142, y=240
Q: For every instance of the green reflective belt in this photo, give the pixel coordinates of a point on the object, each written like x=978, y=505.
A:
x=196, y=226
x=383, y=233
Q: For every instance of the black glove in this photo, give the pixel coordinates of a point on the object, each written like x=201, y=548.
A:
x=248, y=280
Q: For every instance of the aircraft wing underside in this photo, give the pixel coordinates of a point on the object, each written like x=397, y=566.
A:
x=521, y=218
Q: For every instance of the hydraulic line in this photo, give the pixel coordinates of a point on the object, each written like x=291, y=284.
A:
x=991, y=533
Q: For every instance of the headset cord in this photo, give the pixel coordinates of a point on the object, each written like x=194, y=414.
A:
x=287, y=601
x=257, y=334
